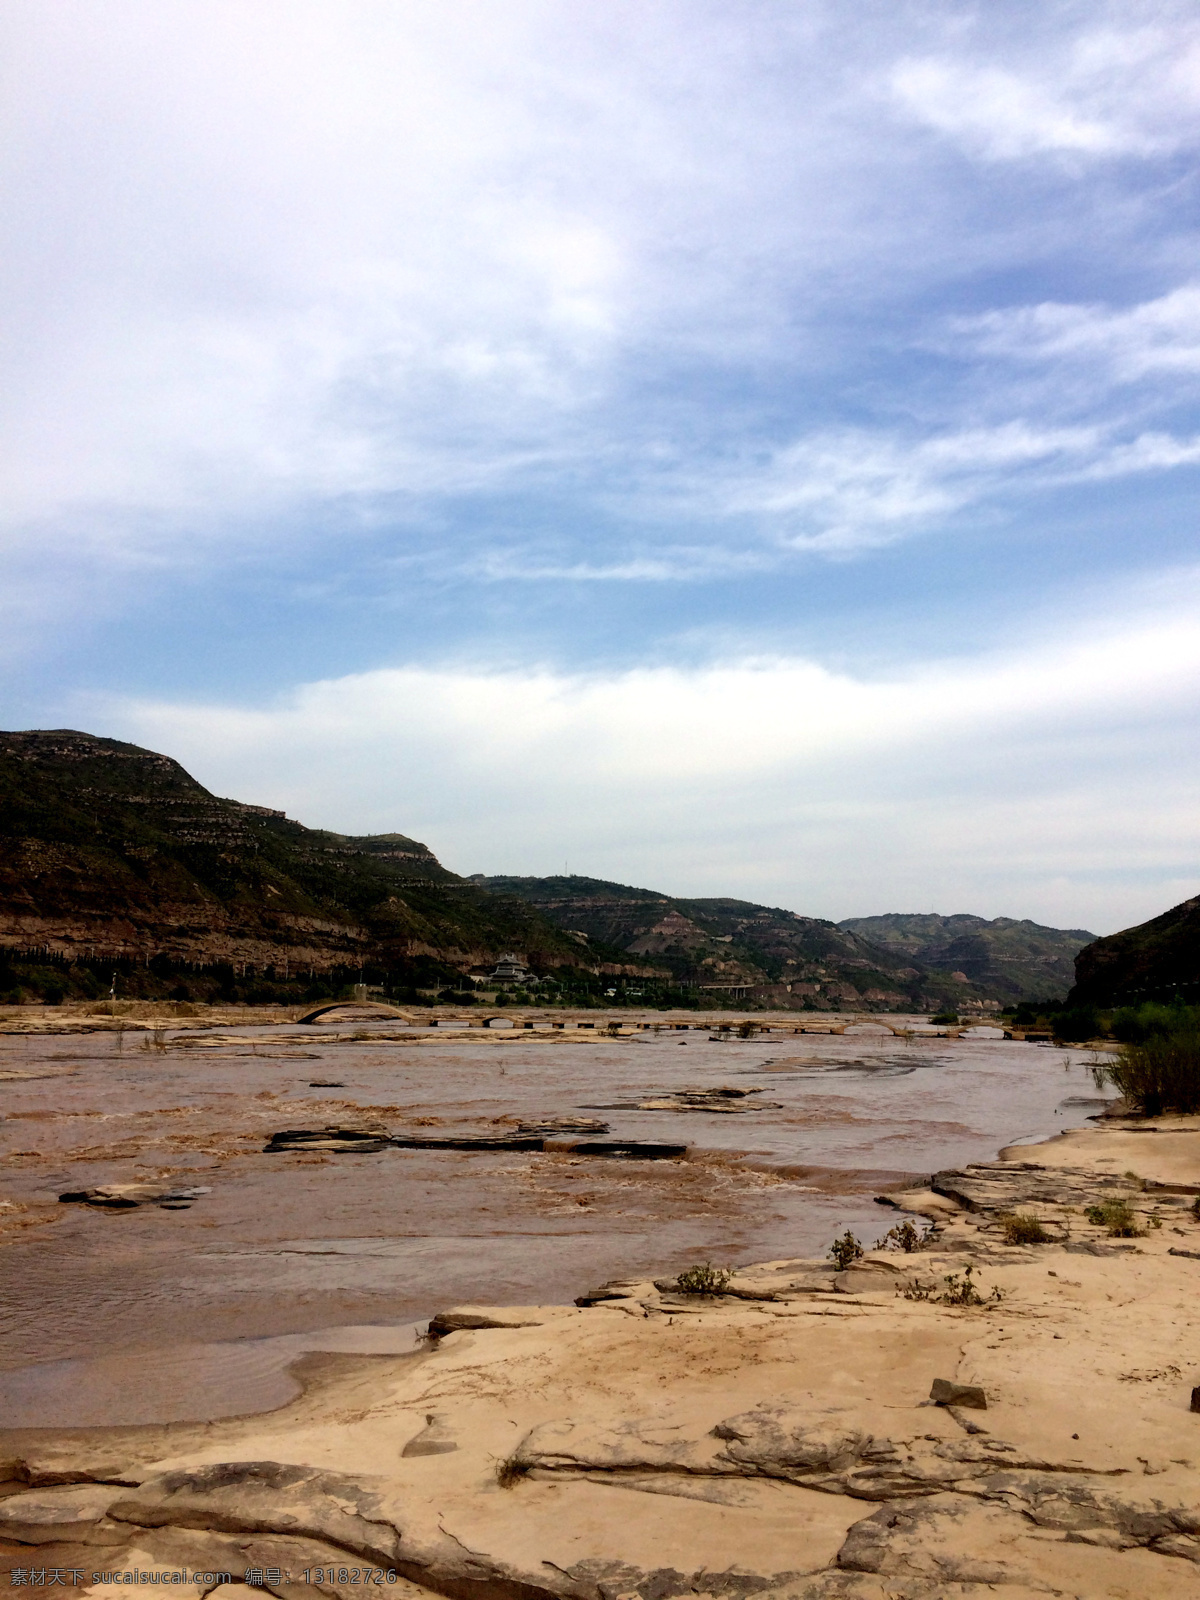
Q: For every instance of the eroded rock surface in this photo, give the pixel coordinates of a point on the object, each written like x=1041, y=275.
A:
x=997, y=1186
x=782, y=1438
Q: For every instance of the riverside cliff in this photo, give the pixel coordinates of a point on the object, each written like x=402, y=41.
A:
x=113, y=853
x=1158, y=960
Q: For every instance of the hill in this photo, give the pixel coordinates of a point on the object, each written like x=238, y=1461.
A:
x=1012, y=960
x=115, y=858
x=1157, y=960
x=738, y=948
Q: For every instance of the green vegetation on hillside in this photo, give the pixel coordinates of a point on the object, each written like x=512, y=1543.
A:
x=1010, y=960
x=1158, y=960
x=713, y=947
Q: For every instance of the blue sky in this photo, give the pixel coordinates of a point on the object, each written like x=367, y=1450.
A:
x=745, y=448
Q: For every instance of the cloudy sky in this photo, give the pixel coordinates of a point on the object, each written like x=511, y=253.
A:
x=736, y=446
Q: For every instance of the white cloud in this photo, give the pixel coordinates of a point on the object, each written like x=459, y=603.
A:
x=1157, y=337
x=1007, y=785
x=378, y=265
x=681, y=564
x=998, y=113
x=261, y=260
x=520, y=292
x=1149, y=452
x=1104, y=92
x=842, y=492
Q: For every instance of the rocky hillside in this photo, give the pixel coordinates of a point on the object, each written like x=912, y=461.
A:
x=1157, y=960
x=110, y=853
x=735, y=946
x=1009, y=959
x=114, y=857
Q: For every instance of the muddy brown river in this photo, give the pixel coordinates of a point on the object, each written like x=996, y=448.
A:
x=156, y=1314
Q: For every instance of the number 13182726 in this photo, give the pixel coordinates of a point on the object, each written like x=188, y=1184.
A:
x=340, y=1575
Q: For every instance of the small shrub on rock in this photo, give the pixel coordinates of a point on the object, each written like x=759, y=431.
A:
x=1196, y=1209
x=916, y=1290
x=904, y=1237
x=1022, y=1229
x=703, y=1279
x=959, y=1291
x=1117, y=1216
x=844, y=1252
x=962, y=1291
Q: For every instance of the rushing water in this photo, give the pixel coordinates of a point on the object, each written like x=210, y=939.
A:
x=159, y=1315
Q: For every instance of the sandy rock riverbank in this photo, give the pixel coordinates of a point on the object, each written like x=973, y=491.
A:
x=775, y=1439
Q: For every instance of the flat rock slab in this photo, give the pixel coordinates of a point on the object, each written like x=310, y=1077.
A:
x=616, y=1289
x=563, y=1127
x=625, y=1149
x=750, y=1452
x=127, y=1196
x=996, y=1186
x=464, y=1318
x=357, y=1141
x=72, y=1514
x=266, y=1497
x=469, y=1141
x=723, y=1101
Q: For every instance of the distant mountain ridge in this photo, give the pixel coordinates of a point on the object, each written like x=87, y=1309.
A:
x=796, y=961
x=113, y=854
x=1012, y=959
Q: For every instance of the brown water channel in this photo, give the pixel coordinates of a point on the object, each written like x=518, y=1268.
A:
x=150, y=1314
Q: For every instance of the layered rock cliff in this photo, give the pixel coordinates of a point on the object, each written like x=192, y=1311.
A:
x=111, y=852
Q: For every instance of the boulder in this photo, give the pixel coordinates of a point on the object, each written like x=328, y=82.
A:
x=945, y=1393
